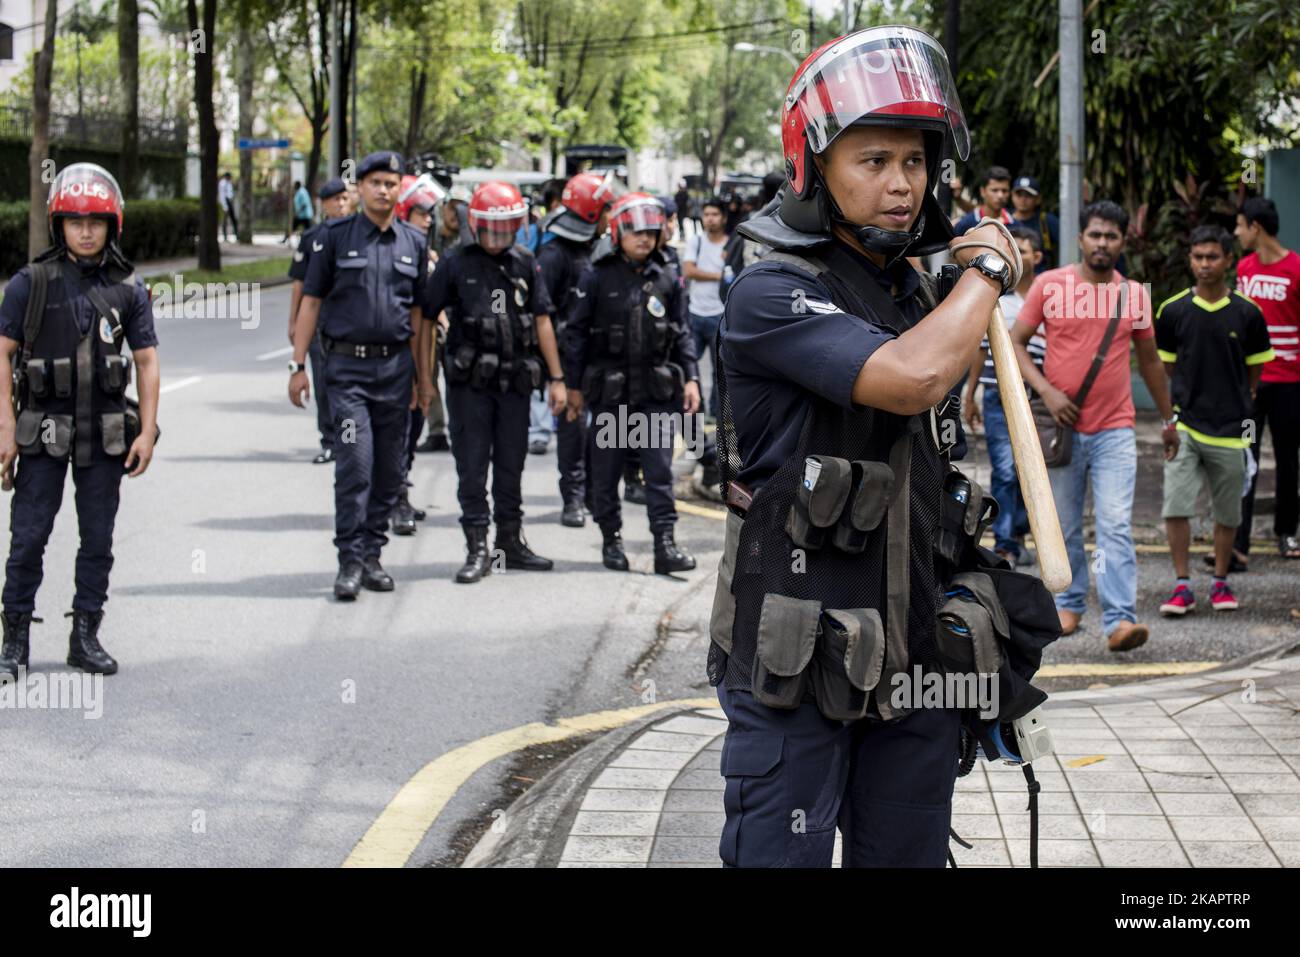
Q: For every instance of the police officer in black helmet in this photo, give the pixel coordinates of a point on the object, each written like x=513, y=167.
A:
x=66, y=317
x=500, y=347
x=835, y=366
x=336, y=201
x=363, y=288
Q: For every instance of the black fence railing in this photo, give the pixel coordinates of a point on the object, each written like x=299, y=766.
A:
x=94, y=129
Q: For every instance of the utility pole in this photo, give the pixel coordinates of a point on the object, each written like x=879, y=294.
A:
x=336, y=90
x=1071, y=123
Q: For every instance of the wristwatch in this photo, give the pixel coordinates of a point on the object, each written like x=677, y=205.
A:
x=554, y=378
x=993, y=266
x=296, y=367
x=1170, y=423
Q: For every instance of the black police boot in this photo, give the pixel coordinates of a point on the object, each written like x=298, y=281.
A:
x=434, y=443
x=510, y=539
x=17, y=641
x=403, y=516
x=373, y=575
x=634, y=490
x=84, y=650
x=347, y=585
x=611, y=551
x=573, y=516
x=476, y=555
x=668, y=557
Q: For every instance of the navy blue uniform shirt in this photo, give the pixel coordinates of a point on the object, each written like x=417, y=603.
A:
x=368, y=280
x=309, y=242
x=137, y=323
x=468, y=274
x=783, y=342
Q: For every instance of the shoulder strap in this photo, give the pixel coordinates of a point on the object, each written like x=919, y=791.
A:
x=40, y=278
x=1100, y=357
x=97, y=299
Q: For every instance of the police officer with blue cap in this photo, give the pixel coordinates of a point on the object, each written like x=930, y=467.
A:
x=336, y=202
x=363, y=288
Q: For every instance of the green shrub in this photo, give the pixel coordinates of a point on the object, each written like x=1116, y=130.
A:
x=155, y=229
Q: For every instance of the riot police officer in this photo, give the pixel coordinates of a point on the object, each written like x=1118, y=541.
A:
x=500, y=317
x=575, y=224
x=336, y=201
x=66, y=316
x=363, y=287
x=415, y=205
x=630, y=357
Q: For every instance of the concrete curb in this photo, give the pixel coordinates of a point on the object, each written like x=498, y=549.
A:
x=538, y=822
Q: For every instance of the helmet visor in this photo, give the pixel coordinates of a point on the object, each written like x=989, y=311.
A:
x=84, y=189
x=639, y=215
x=424, y=183
x=894, y=72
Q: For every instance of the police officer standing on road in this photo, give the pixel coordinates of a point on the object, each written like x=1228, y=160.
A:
x=833, y=436
x=500, y=316
x=66, y=316
x=336, y=202
x=577, y=222
x=363, y=288
x=627, y=350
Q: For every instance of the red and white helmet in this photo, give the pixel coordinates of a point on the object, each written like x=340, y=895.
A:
x=417, y=192
x=634, y=212
x=887, y=76
x=585, y=197
x=84, y=189
x=497, y=208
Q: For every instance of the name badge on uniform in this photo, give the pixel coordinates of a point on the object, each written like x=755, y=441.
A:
x=406, y=259
x=105, y=330
x=655, y=307
x=352, y=252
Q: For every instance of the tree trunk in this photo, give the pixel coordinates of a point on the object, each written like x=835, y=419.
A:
x=201, y=42
x=128, y=68
x=38, y=230
x=244, y=43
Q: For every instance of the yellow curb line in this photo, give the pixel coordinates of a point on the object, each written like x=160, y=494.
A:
x=1080, y=669
x=397, y=832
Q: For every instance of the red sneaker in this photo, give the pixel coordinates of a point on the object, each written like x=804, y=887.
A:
x=1181, y=602
x=1222, y=598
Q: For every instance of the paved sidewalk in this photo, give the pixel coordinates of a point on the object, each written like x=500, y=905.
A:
x=1189, y=772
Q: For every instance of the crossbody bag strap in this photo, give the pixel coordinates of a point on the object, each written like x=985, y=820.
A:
x=1100, y=357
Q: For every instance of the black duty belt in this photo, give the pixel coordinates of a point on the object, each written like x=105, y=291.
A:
x=363, y=350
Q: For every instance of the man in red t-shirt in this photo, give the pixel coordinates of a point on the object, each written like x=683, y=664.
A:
x=1270, y=276
x=1075, y=305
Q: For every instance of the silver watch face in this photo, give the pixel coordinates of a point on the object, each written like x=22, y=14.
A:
x=294, y=367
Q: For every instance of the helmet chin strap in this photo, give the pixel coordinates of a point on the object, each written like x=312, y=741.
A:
x=890, y=243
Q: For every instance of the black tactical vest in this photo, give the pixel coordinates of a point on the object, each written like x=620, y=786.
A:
x=492, y=338
x=831, y=591
x=72, y=389
x=632, y=335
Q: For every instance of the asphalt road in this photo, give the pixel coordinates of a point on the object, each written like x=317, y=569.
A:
x=257, y=722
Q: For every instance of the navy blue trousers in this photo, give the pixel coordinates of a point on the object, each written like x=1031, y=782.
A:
x=37, y=495
x=324, y=422
x=609, y=450
x=571, y=457
x=370, y=401
x=794, y=776
x=488, y=428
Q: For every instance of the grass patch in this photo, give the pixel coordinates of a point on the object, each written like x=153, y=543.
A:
x=259, y=270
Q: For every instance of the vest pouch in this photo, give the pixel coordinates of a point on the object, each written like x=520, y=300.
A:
x=487, y=333
x=787, y=636
x=873, y=491
x=528, y=375
x=461, y=364
x=62, y=377
x=528, y=330
x=27, y=430
x=112, y=428
x=593, y=378
x=847, y=662
x=659, y=335
x=614, y=337
x=470, y=326
x=661, y=384
x=614, y=386
x=723, y=617
x=114, y=374
x=961, y=523
x=819, y=500
x=38, y=378
x=484, y=375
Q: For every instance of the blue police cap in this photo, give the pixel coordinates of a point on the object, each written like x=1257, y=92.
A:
x=331, y=187
x=1025, y=184
x=385, y=160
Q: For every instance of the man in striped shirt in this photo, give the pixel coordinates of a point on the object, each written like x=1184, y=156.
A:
x=1012, y=523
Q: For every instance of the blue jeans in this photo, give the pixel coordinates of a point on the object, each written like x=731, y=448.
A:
x=540, y=420
x=1013, y=520
x=705, y=329
x=1109, y=459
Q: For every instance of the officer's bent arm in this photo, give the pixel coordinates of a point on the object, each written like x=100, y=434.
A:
x=915, y=371
x=308, y=313
x=148, y=377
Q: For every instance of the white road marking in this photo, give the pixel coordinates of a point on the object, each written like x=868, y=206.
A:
x=275, y=353
x=179, y=384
